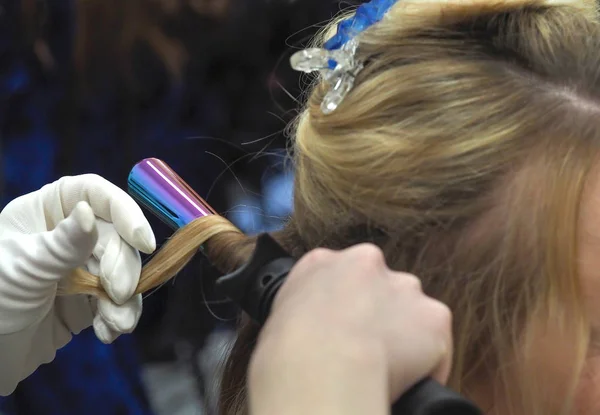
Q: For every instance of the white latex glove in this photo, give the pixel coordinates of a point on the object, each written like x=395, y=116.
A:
x=81, y=221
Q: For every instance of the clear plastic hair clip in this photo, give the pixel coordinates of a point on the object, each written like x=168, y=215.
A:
x=338, y=68
x=336, y=61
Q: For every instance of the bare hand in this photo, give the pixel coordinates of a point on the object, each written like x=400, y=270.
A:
x=347, y=335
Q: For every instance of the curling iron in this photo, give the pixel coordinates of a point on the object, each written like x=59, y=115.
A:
x=253, y=287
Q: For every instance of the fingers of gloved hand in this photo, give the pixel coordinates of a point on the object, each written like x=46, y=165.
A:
x=119, y=263
x=69, y=245
x=103, y=332
x=93, y=264
x=110, y=203
x=112, y=320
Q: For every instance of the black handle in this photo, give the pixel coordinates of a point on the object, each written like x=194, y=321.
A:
x=428, y=397
x=254, y=287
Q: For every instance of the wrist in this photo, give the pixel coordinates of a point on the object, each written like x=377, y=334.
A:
x=296, y=374
x=25, y=299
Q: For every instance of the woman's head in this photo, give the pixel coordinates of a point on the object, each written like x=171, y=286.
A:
x=468, y=150
x=464, y=150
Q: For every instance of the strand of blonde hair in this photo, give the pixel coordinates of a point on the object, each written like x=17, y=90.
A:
x=168, y=260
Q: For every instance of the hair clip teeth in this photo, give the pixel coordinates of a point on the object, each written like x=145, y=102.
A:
x=337, y=94
x=342, y=82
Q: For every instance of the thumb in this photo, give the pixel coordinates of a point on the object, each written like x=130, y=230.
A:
x=71, y=243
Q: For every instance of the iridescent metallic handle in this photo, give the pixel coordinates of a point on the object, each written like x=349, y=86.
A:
x=154, y=185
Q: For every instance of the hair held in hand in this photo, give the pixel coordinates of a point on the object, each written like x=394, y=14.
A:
x=225, y=244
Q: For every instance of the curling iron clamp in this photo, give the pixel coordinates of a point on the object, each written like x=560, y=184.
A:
x=254, y=286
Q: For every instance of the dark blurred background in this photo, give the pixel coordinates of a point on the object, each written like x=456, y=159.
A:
x=94, y=86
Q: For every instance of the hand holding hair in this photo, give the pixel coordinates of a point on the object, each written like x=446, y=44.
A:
x=81, y=221
x=157, y=187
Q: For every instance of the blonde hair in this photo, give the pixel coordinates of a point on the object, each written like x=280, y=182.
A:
x=463, y=152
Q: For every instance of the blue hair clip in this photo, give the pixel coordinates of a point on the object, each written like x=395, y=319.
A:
x=336, y=61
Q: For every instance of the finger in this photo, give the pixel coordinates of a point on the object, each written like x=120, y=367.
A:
x=403, y=281
x=433, y=356
x=93, y=264
x=110, y=203
x=368, y=256
x=120, y=264
x=312, y=260
x=120, y=318
x=71, y=243
x=308, y=267
x=103, y=332
x=429, y=357
x=430, y=339
x=442, y=372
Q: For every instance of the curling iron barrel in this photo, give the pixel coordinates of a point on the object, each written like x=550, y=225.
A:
x=158, y=188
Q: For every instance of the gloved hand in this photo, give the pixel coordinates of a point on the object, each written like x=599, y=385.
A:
x=73, y=222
